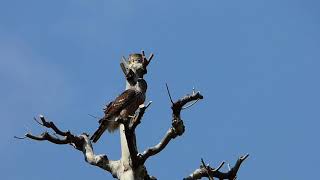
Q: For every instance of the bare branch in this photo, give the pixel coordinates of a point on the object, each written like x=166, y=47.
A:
x=101, y=161
x=36, y=120
x=136, y=120
x=81, y=143
x=168, y=91
x=150, y=58
x=220, y=166
x=53, y=127
x=194, y=102
x=66, y=136
x=159, y=147
x=129, y=74
x=47, y=137
x=146, y=61
x=207, y=171
x=123, y=68
x=178, y=106
x=177, y=128
x=124, y=60
x=95, y=117
x=16, y=137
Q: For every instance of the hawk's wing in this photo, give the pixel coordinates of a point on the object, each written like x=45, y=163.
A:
x=113, y=109
x=120, y=103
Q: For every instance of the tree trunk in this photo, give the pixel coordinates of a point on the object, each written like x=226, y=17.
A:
x=125, y=160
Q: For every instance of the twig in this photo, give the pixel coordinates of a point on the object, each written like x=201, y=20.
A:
x=193, y=92
x=94, y=116
x=35, y=119
x=150, y=58
x=124, y=60
x=220, y=166
x=194, y=102
x=207, y=168
x=168, y=91
x=16, y=137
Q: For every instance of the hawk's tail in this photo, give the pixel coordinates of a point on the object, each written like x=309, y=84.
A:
x=104, y=124
x=96, y=135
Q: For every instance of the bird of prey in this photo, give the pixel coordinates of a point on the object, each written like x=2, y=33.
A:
x=124, y=106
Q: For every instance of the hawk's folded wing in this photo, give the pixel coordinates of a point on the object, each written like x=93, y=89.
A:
x=112, y=111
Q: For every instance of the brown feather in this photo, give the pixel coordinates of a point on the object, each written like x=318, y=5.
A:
x=124, y=105
x=119, y=103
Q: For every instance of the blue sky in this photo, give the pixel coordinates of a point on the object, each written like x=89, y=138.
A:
x=256, y=62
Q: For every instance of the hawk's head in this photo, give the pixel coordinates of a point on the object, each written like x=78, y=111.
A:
x=137, y=64
x=135, y=58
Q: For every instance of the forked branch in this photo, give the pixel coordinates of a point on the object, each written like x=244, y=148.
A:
x=136, y=120
x=65, y=137
x=146, y=61
x=81, y=143
x=177, y=128
x=211, y=173
x=130, y=127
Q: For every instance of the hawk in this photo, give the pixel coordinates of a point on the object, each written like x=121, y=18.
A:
x=123, y=106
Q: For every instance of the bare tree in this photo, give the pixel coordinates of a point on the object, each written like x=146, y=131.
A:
x=131, y=165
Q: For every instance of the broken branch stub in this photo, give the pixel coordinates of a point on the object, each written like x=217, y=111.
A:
x=207, y=171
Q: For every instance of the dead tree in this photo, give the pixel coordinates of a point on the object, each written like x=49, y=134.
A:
x=131, y=165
